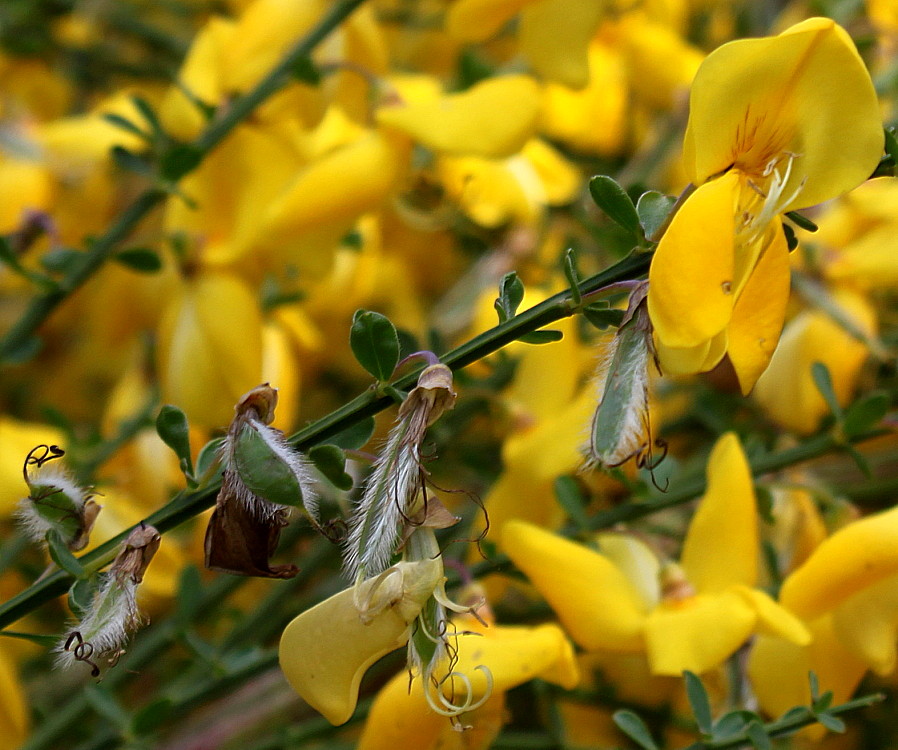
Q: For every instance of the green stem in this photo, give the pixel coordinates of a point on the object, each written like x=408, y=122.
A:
x=185, y=505
x=44, y=304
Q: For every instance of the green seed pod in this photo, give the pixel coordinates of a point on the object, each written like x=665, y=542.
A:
x=267, y=466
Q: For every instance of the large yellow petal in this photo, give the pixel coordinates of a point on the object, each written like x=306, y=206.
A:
x=867, y=624
x=773, y=618
x=210, y=348
x=856, y=556
x=688, y=361
x=554, y=36
x=593, y=599
x=802, y=92
x=721, y=546
x=493, y=119
x=691, y=292
x=697, y=634
x=759, y=313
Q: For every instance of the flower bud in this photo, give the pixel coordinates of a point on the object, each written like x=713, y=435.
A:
x=55, y=503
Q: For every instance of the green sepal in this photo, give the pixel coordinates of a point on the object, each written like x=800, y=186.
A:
x=654, y=209
x=60, y=554
x=265, y=472
x=330, y=460
x=614, y=201
x=375, y=343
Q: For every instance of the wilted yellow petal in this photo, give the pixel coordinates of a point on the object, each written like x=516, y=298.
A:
x=691, y=292
x=798, y=93
x=698, y=633
x=721, y=546
x=856, y=556
x=593, y=599
x=867, y=624
x=493, y=119
x=210, y=348
x=554, y=36
x=325, y=652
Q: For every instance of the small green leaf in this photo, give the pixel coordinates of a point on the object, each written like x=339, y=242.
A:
x=891, y=144
x=732, y=724
x=542, y=337
x=148, y=113
x=356, y=435
x=171, y=424
x=757, y=736
x=570, y=498
x=603, y=317
x=823, y=702
x=824, y=383
x=865, y=413
x=178, y=161
x=305, y=71
x=511, y=294
x=765, y=500
x=832, y=723
x=61, y=259
x=814, y=685
x=123, y=123
x=698, y=699
x=634, y=727
x=860, y=460
x=795, y=715
x=614, y=201
x=572, y=275
x=130, y=162
x=653, y=209
x=141, y=259
x=801, y=221
x=331, y=462
x=374, y=343
x=791, y=239
x=46, y=641
x=62, y=556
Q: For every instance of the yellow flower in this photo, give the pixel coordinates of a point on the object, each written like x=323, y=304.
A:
x=399, y=716
x=847, y=592
x=776, y=124
x=787, y=390
x=688, y=616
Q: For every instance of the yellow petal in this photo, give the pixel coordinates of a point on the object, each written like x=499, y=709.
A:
x=779, y=669
x=721, y=546
x=697, y=634
x=400, y=717
x=554, y=36
x=869, y=261
x=867, y=624
x=691, y=291
x=754, y=100
x=856, y=556
x=688, y=361
x=774, y=619
x=493, y=119
x=210, y=348
x=14, y=717
x=787, y=390
x=759, y=313
x=593, y=599
x=478, y=20
x=325, y=652
x=281, y=369
x=637, y=562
